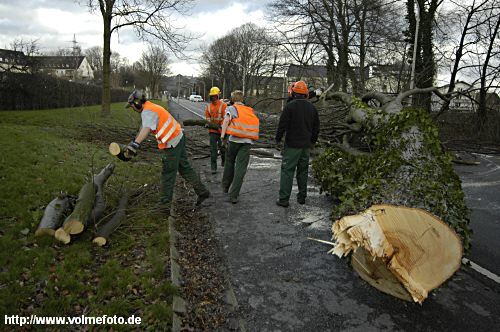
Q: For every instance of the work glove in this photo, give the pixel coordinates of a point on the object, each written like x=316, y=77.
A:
x=132, y=148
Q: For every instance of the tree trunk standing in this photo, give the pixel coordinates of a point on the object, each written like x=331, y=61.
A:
x=482, y=107
x=106, y=9
x=424, y=62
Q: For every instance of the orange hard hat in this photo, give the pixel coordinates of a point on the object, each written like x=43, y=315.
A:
x=300, y=87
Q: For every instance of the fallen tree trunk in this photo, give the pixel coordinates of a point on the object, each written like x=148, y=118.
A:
x=201, y=123
x=398, y=160
x=100, y=203
x=399, y=248
x=104, y=231
x=53, y=215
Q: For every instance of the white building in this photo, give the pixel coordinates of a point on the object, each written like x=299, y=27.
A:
x=460, y=103
x=69, y=67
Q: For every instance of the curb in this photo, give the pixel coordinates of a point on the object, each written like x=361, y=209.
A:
x=178, y=303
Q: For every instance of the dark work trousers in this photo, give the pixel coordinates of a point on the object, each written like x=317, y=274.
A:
x=216, y=145
x=175, y=159
x=294, y=158
x=237, y=158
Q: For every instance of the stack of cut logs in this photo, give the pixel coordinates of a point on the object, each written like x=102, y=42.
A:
x=88, y=210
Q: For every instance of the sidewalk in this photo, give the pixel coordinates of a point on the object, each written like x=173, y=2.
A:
x=285, y=282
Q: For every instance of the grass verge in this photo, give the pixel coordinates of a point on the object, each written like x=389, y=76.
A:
x=45, y=152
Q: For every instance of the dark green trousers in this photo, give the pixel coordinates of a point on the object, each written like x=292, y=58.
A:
x=175, y=159
x=235, y=168
x=215, y=145
x=294, y=159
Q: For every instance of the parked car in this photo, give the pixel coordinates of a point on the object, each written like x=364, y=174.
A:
x=195, y=98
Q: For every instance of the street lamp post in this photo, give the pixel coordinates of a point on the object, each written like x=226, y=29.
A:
x=415, y=42
x=242, y=68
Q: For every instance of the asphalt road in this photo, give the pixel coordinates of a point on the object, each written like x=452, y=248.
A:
x=284, y=282
x=481, y=185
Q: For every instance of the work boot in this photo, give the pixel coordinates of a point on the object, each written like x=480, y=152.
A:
x=233, y=200
x=202, y=198
x=282, y=203
x=214, y=171
x=301, y=201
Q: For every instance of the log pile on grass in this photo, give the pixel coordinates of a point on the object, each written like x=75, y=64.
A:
x=62, y=219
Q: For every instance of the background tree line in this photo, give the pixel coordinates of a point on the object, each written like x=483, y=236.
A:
x=457, y=40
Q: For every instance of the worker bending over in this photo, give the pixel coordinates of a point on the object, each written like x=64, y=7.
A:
x=171, y=143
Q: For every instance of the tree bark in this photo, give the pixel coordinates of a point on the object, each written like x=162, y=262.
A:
x=53, y=216
x=106, y=56
x=104, y=231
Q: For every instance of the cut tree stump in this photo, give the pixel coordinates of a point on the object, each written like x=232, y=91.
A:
x=53, y=215
x=104, y=231
x=399, y=248
x=85, y=208
x=201, y=123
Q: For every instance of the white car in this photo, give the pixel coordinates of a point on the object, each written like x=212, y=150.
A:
x=195, y=98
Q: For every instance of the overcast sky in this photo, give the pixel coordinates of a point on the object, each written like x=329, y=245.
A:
x=54, y=22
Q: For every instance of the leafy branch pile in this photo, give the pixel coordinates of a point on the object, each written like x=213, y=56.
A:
x=406, y=166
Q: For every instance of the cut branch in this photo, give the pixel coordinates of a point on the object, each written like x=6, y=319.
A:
x=53, y=215
x=201, y=123
x=104, y=231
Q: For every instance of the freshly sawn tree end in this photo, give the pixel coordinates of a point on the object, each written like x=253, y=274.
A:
x=62, y=236
x=398, y=247
x=100, y=241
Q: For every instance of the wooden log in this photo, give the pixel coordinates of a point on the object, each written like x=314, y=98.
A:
x=104, y=231
x=62, y=236
x=76, y=222
x=53, y=215
x=416, y=247
x=100, y=202
x=120, y=151
x=201, y=123
x=85, y=208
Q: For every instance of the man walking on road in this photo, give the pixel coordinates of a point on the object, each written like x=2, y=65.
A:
x=214, y=113
x=242, y=125
x=171, y=142
x=300, y=121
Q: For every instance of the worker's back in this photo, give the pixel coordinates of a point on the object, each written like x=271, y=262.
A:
x=300, y=121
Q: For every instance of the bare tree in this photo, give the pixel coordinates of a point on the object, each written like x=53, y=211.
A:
x=244, y=54
x=94, y=57
x=154, y=63
x=24, y=61
x=150, y=20
x=425, y=67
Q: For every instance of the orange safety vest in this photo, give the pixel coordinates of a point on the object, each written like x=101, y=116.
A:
x=167, y=129
x=246, y=125
x=215, y=115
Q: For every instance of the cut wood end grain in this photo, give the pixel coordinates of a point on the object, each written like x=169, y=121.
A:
x=418, y=249
x=114, y=149
x=100, y=241
x=61, y=235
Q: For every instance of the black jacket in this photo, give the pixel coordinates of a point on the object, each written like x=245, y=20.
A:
x=300, y=121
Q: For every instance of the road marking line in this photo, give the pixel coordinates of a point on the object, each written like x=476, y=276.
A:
x=187, y=109
x=482, y=270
